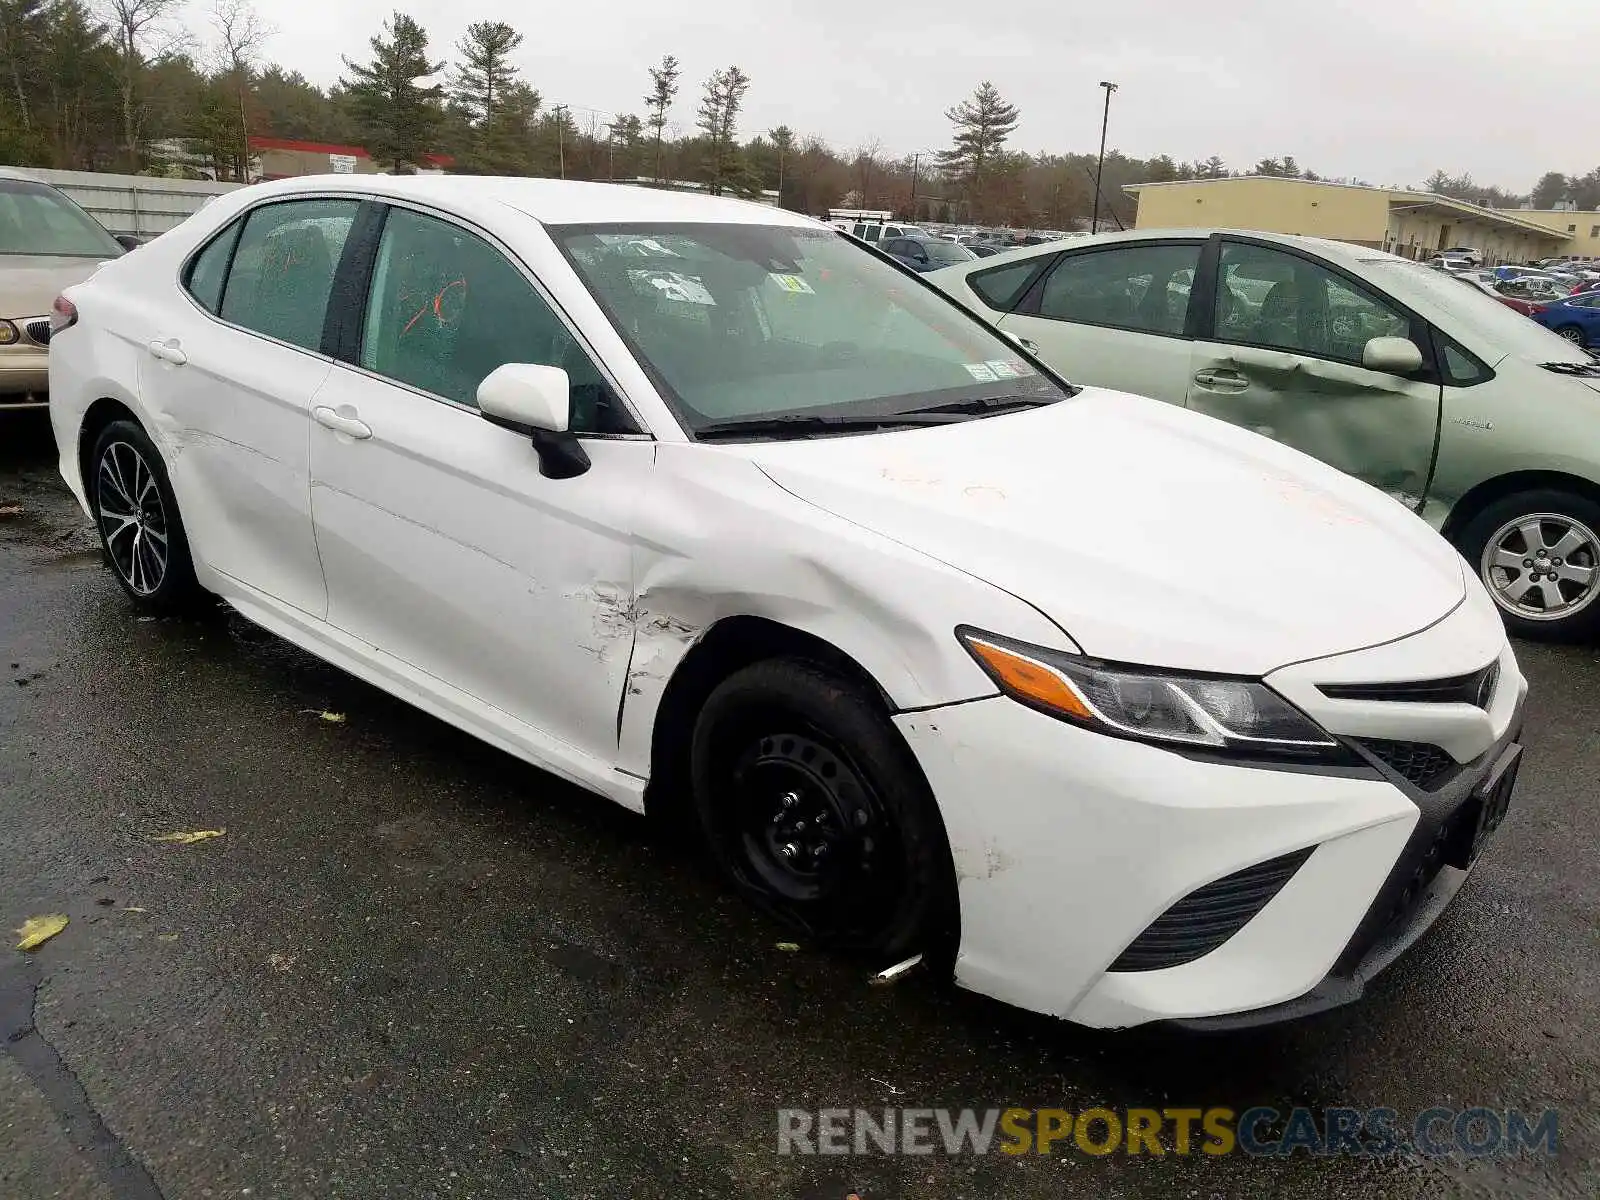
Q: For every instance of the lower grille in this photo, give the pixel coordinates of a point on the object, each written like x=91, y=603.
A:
x=1420, y=764
x=38, y=331
x=1209, y=916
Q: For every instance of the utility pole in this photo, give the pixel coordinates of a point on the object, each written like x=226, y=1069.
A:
x=611, y=149
x=561, y=137
x=916, y=159
x=1105, y=121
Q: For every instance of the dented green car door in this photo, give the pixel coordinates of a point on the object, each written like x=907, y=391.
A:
x=1282, y=348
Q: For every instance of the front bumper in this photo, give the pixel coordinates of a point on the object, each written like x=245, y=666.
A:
x=1068, y=845
x=24, y=376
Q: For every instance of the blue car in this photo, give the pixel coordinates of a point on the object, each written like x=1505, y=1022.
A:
x=925, y=253
x=1577, y=318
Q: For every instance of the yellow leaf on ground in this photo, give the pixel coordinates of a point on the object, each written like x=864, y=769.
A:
x=188, y=839
x=790, y=947
x=36, y=931
x=336, y=718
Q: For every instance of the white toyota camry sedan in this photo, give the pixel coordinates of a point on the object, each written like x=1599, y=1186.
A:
x=1119, y=712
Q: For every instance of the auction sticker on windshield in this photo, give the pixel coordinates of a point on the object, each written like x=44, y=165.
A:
x=793, y=283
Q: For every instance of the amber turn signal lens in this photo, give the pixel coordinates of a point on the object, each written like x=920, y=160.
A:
x=8, y=334
x=1030, y=680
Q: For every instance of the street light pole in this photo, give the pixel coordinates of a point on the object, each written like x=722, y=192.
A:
x=1105, y=121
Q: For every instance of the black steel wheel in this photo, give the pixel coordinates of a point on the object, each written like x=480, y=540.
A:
x=813, y=805
x=137, y=517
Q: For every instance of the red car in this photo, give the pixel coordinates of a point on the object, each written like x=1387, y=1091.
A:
x=1526, y=307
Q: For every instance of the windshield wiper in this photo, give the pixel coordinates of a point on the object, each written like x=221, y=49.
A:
x=1573, y=368
x=986, y=404
x=803, y=424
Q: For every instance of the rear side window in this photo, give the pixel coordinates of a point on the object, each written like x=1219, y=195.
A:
x=209, y=270
x=283, y=269
x=1001, y=287
x=1139, y=287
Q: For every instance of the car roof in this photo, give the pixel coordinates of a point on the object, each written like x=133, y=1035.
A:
x=1345, y=253
x=549, y=201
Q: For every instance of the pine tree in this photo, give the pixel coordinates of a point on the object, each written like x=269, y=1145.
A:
x=397, y=112
x=657, y=103
x=982, y=123
x=718, y=120
x=486, y=72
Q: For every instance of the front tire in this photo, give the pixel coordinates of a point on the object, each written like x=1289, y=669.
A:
x=815, y=808
x=136, y=514
x=1538, y=553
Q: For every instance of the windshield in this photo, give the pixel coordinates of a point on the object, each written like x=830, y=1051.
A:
x=751, y=322
x=947, y=252
x=37, y=219
x=1504, y=330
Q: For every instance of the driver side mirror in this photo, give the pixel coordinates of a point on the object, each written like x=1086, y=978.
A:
x=535, y=400
x=127, y=241
x=1394, y=355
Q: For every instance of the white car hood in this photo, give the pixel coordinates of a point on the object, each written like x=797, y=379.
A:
x=1148, y=533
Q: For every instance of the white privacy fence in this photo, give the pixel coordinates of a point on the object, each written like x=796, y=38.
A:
x=136, y=204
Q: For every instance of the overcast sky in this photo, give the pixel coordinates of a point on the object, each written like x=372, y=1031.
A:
x=1385, y=90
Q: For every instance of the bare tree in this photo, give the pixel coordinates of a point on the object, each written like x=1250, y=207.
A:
x=866, y=158
x=241, y=34
x=141, y=32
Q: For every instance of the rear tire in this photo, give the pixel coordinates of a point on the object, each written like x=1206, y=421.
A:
x=1574, y=335
x=1538, y=553
x=815, y=808
x=136, y=514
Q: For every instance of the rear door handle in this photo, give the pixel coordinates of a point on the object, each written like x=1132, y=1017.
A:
x=350, y=426
x=1221, y=381
x=169, y=351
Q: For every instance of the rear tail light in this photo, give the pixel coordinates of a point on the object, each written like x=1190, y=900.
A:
x=63, y=315
x=1535, y=309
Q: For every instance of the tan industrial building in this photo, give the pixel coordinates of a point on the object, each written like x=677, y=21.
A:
x=1408, y=223
x=1582, y=230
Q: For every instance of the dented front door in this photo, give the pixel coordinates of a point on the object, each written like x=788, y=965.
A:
x=1283, y=359
x=445, y=546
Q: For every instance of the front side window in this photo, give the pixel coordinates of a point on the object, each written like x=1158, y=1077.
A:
x=447, y=308
x=36, y=219
x=1266, y=297
x=746, y=322
x=283, y=269
x=1140, y=287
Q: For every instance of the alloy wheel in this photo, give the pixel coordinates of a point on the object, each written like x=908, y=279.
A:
x=1573, y=335
x=132, y=518
x=1542, y=567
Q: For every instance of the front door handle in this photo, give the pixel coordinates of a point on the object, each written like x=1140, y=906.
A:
x=346, y=424
x=169, y=351
x=1221, y=381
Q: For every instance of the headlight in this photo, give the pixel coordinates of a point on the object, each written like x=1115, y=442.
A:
x=1201, y=711
x=8, y=334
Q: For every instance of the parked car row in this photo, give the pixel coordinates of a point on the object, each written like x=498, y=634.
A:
x=714, y=511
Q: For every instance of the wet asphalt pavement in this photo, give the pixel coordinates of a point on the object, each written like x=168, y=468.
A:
x=414, y=967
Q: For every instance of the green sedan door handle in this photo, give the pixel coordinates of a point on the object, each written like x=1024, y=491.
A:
x=1221, y=381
